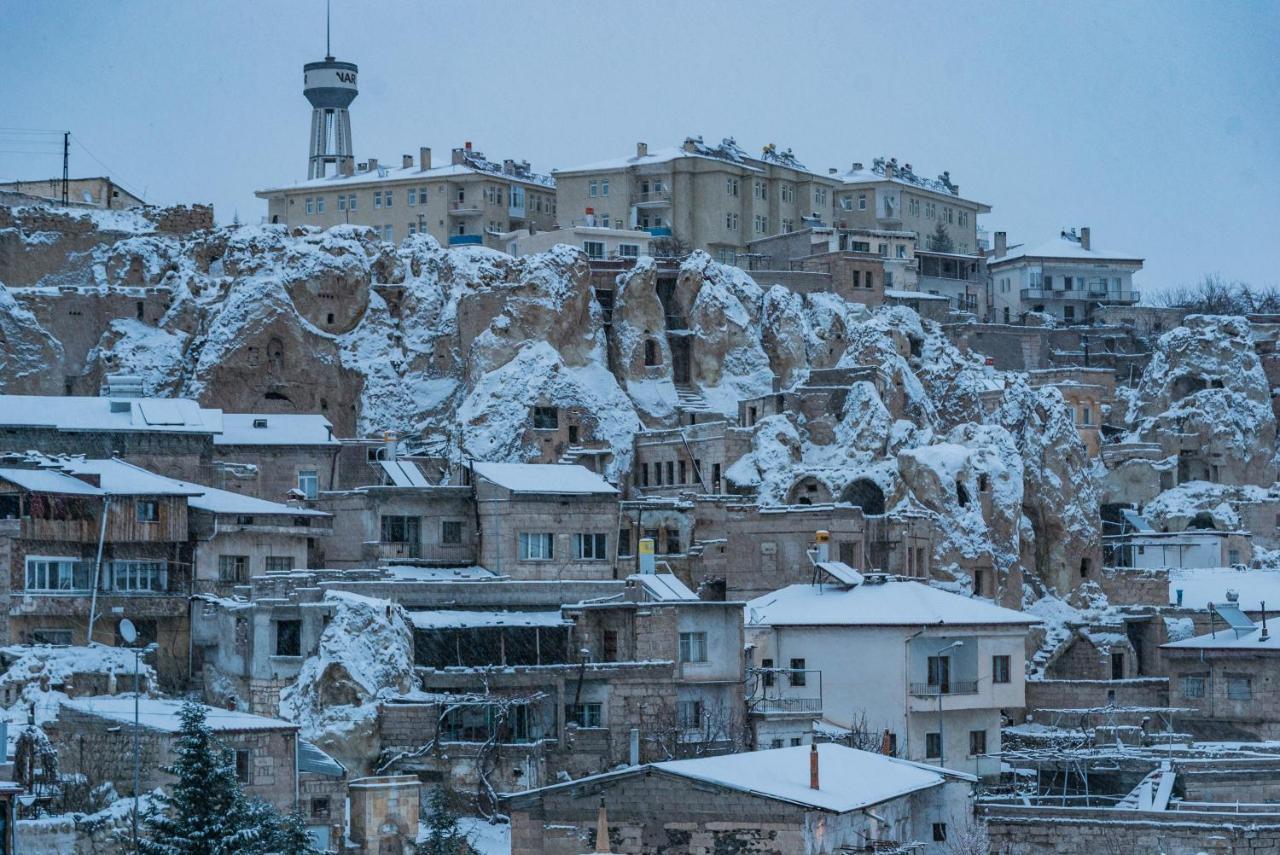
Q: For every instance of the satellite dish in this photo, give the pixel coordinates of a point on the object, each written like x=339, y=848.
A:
x=128, y=631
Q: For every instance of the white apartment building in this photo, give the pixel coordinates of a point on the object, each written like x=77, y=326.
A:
x=470, y=200
x=1066, y=277
x=597, y=242
x=925, y=670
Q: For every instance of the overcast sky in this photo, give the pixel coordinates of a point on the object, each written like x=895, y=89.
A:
x=1157, y=124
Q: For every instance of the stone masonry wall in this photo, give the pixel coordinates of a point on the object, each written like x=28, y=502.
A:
x=1089, y=832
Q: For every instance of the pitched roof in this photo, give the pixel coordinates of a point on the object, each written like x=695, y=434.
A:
x=554, y=478
x=167, y=415
x=49, y=481
x=275, y=429
x=390, y=173
x=892, y=603
x=1062, y=247
x=849, y=779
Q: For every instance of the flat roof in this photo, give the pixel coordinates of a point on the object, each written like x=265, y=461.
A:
x=163, y=715
x=555, y=478
x=84, y=413
x=891, y=603
x=275, y=429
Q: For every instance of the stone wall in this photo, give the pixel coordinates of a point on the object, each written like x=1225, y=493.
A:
x=1080, y=831
x=1076, y=694
x=1134, y=586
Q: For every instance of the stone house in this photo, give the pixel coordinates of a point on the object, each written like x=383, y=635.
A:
x=545, y=521
x=687, y=459
x=94, y=737
x=423, y=524
x=1066, y=277
x=818, y=799
x=1089, y=394
x=272, y=455
x=933, y=673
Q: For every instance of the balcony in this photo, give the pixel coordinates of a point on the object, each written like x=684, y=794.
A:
x=952, y=687
x=465, y=209
x=516, y=212
x=659, y=231
x=806, y=706
x=465, y=240
x=1091, y=295
x=655, y=199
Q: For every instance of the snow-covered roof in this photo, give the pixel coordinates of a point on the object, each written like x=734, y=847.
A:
x=899, y=294
x=654, y=157
x=892, y=603
x=663, y=587
x=848, y=779
x=1228, y=639
x=414, y=573
x=160, y=714
x=1201, y=586
x=118, y=478
x=1136, y=521
x=275, y=429
x=1062, y=247
x=48, y=481
x=875, y=174
x=217, y=501
x=461, y=619
x=169, y=415
x=383, y=174
x=312, y=759
x=557, y=478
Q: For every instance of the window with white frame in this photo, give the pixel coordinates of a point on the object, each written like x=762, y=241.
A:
x=536, y=546
x=731, y=221
x=591, y=547
x=388, y=232
x=693, y=647
x=760, y=190
x=351, y=202
x=819, y=195
x=593, y=248
x=787, y=192
x=788, y=226
x=342, y=202
x=319, y=204
x=862, y=201
x=386, y=199
x=138, y=576
x=593, y=188
x=762, y=223
x=604, y=187
x=628, y=250
x=58, y=574
x=377, y=198
x=411, y=197
x=731, y=186
x=689, y=715
x=584, y=715
x=309, y=483
x=311, y=205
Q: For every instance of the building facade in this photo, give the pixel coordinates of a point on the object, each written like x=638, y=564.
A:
x=1066, y=277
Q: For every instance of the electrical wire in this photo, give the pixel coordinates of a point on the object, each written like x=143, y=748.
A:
x=115, y=175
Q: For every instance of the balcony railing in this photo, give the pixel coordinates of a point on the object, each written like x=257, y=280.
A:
x=465, y=209
x=654, y=199
x=953, y=687
x=789, y=705
x=127, y=577
x=1091, y=295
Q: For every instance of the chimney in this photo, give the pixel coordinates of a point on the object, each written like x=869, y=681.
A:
x=406, y=161
x=424, y=158
x=1002, y=244
x=467, y=145
x=373, y=164
x=459, y=156
x=813, y=766
x=642, y=149
x=690, y=145
x=857, y=166
x=348, y=167
x=602, y=830
x=508, y=167
x=831, y=170
x=1084, y=237
x=889, y=169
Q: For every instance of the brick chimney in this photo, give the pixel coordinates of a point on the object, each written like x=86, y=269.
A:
x=424, y=158
x=813, y=766
x=1084, y=237
x=406, y=161
x=642, y=149
x=1002, y=244
x=459, y=156
x=373, y=164
x=348, y=167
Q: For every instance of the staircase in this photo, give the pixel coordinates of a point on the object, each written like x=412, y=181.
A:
x=572, y=454
x=690, y=400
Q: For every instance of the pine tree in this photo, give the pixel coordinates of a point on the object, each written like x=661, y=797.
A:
x=206, y=813
x=444, y=838
x=940, y=241
x=291, y=836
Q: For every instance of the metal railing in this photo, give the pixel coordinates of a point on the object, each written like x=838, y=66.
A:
x=789, y=705
x=654, y=197
x=951, y=687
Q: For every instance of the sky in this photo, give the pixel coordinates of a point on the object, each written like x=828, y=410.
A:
x=1157, y=124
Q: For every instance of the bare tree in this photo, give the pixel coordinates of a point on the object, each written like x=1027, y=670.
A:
x=972, y=838
x=1213, y=295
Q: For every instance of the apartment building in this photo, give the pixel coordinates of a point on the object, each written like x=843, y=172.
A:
x=469, y=201
x=931, y=675
x=597, y=242
x=1066, y=277
x=888, y=196
x=711, y=197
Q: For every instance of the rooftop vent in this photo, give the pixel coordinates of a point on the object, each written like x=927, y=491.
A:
x=122, y=386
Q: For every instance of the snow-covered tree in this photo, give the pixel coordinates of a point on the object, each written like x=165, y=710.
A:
x=291, y=836
x=35, y=761
x=940, y=240
x=444, y=837
x=206, y=813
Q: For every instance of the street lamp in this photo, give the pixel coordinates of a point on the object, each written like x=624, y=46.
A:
x=129, y=633
x=942, y=742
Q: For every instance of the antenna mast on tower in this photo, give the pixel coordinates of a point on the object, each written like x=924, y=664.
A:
x=330, y=86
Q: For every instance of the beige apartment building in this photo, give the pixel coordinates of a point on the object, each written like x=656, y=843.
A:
x=97, y=192
x=720, y=199
x=470, y=200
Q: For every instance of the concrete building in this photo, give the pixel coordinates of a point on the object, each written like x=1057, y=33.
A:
x=97, y=192
x=932, y=673
x=470, y=200
x=274, y=455
x=1066, y=277
x=401, y=524
x=599, y=243
x=827, y=798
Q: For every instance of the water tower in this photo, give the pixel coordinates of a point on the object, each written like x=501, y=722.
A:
x=330, y=86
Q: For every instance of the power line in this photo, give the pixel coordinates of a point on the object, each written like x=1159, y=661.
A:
x=114, y=174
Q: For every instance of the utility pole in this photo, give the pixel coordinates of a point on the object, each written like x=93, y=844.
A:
x=66, y=163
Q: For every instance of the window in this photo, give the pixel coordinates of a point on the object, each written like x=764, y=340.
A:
x=319, y=204
x=593, y=188
x=767, y=677
x=681, y=475
x=593, y=248
x=604, y=187
x=59, y=574
x=546, y=418
x=882, y=249
x=536, y=546
x=61, y=637
x=137, y=576
x=731, y=221
x=775, y=743
x=671, y=479
x=693, y=647
x=279, y=563
x=861, y=246
x=1086, y=416
x=233, y=568
x=243, y=765
x=762, y=223
x=583, y=715
x=342, y=202
x=932, y=747
x=451, y=532
x=628, y=250
x=797, y=677
x=862, y=201
x=388, y=232
x=1000, y=672
x=288, y=638
x=689, y=714
x=787, y=225
x=386, y=199
x=758, y=190
x=977, y=742
x=940, y=672
x=939, y=828
x=788, y=194
x=411, y=196
x=377, y=198
x=1193, y=686
x=400, y=529
x=609, y=645
x=819, y=195
x=1239, y=687
x=1048, y=282
x=673, y=536
x=731, y=186
x=591, y=547
x=309, y=483
x=320, y=807
x=351, y=202
x=624, y=541
x=311, y=205
x=147, y=510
